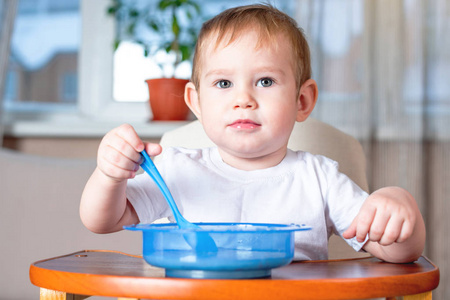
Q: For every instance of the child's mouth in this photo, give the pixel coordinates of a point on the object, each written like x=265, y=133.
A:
x=244, y=124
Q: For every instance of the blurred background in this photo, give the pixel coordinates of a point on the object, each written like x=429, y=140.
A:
x=71, y=70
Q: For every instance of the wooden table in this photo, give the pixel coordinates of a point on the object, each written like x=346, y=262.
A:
x=114, y=274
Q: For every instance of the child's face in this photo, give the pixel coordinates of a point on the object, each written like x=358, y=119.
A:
x=247, y=100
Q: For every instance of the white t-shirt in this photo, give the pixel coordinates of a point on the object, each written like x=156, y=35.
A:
x=302, y=189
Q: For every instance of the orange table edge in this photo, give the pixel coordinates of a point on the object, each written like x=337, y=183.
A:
x=131, y=278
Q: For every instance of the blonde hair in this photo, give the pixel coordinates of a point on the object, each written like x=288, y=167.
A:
x=268, y=21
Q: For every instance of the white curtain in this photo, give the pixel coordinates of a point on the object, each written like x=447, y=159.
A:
x=383, y=70
x=7, y=15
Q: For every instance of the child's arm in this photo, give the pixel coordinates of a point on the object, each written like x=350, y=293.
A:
x=104, y=206
x=394, y=223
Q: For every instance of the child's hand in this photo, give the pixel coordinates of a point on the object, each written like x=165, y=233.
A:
x=392, y=219
x=388, y=216
x=119, y=153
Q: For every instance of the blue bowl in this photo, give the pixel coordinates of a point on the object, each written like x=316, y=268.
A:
x=245, y=250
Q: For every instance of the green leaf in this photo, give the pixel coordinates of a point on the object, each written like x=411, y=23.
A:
x=175, y=26
x=195, y=5
x=130, y=28
x=163, y=4
x=189, y=15
x=154, y=26
x=111, y=10
x=185, y=52
x=116, y=44
x=180, y=3
x=114, y=7
x=133, y=13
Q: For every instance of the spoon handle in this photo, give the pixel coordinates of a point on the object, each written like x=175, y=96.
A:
x=199, y=241
x=151, y=170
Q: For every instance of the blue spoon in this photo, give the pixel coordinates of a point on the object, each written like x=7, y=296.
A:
x=199, y=241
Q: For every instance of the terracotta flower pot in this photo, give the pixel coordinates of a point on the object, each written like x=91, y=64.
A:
x=167, y=99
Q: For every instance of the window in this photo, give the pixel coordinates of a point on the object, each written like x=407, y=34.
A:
x=11, y=86
x=69, y=87
x=57, y=45
x=44, y=48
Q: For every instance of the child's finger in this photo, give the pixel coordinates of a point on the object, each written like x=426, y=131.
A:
x=118, y=159
x=406, y=231
x=123, y=148
x=114, y=171
x=391, y=232
x=153, y=149
x=365, y=220
x=127, y=132
x=378, y=226
x=351, y=230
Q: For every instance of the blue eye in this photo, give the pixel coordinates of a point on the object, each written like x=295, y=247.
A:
x=265, y=82
x=224, y=84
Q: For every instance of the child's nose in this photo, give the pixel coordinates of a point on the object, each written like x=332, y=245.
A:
x=244, y=99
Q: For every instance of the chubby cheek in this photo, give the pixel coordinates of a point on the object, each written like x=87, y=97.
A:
x=212, y=122
x=281, y=129
x=215, y=134
x=281, y=118
x=209, y=111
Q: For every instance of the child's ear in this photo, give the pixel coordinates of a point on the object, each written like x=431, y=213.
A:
x=307, y=99
x=192, y=99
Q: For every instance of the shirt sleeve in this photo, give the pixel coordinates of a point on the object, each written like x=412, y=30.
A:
x=146, y=199
x=344, y=199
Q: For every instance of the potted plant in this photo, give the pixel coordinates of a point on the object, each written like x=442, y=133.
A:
x=165, y=25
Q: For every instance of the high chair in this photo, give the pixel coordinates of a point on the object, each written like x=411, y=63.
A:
x=115, y=274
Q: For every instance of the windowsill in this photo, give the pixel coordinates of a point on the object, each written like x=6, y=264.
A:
x=73, y=125
x=77, y=127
